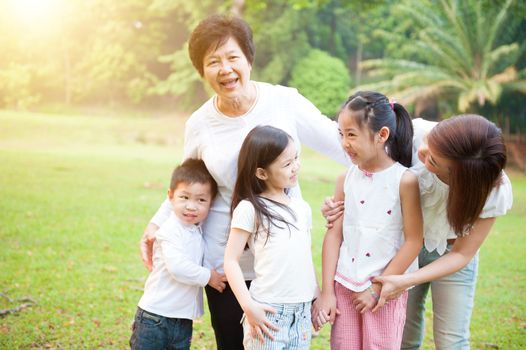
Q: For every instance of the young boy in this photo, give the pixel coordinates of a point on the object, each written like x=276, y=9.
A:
x=173, y=291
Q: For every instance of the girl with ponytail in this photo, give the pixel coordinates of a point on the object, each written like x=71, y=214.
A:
x=380, y=231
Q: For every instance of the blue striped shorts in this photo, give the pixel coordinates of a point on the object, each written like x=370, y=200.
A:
x=295, y=329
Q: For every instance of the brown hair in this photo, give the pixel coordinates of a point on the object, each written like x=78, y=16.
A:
x=477, y=151
x=193, y=171
x=261, y=147
x=214, y=31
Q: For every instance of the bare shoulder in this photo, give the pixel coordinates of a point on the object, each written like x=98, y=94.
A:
x=409, y=183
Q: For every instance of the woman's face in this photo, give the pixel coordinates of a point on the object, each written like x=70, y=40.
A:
x=434, y=162
x=227, y=70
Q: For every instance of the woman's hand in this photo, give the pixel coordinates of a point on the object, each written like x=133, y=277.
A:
x=331, y=210
x=324, y=310
x=260, y=325
x=392, y=287
x=146, y=245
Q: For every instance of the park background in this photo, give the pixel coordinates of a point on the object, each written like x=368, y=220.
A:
x=93, y=99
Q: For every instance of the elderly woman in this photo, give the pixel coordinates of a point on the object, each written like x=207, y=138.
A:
x=222, y=51
x=463, y=188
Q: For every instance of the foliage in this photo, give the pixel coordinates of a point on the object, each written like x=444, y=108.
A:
x=322, y=79
x=453, y=52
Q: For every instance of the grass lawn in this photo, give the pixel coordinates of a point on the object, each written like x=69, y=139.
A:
x=76, y=193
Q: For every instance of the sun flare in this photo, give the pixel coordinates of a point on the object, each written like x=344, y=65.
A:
x=34, y=11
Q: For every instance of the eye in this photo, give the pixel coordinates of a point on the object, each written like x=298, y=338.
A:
x=212, y=62
x=202, y=200
x=183, y=196
x=233, y=58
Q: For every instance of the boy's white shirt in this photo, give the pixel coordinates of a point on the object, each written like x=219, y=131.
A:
x=174, y=287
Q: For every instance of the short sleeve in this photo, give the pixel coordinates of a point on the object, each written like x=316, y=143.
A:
x=243, y=217
x=500, y=199
x=421, y=128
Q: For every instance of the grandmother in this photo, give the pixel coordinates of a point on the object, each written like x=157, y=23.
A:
x=222, y=51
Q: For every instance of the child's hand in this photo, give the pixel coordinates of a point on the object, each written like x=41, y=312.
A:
x=260, y=325
x=366, y=300
x=217, y=280
x=324, y=310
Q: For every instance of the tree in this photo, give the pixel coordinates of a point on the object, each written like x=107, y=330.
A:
x=453, y=52
x=328, y=90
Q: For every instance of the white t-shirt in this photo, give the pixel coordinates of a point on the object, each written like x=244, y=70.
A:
x=283, y=262
x=174, y=287
x=216, y=139
x=434, y=193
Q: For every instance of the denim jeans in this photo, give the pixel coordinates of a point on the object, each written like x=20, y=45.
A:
x=452, y=299
x=294, y=333
x=151, y=331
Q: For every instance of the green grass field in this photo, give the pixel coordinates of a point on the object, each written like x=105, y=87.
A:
x=76, y=193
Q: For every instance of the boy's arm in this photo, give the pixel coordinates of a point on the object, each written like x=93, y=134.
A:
x=179, y=265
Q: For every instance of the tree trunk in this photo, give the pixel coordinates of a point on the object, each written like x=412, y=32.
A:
x=359, y=53
x=238, y=7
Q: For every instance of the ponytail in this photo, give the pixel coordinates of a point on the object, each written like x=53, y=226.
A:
x=377, y=113
x=401, y=145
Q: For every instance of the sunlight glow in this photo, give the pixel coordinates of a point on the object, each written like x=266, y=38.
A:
x=35, y=12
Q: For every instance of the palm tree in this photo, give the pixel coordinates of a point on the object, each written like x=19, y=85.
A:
x=456, y=53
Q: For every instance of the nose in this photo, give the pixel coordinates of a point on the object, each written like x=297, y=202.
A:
x=296, y=166
x=422, y=153
x=226, y=68
x=190, y=206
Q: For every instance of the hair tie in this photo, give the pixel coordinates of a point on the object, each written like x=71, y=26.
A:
x=391, y=103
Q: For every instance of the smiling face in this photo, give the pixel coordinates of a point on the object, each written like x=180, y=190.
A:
x=358, y=141
x=227, y=70
x=283, y=172
x=191, y=202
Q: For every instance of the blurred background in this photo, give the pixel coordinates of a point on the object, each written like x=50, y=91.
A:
x=94, y=96
x=439, y=57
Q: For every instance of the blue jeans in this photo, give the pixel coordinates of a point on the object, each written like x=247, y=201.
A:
x=294, y=333
x=152, y=331
x=452, y=298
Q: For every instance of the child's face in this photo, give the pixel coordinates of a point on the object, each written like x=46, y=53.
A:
x=283, y=172
x=191, y=202
x=358, y=141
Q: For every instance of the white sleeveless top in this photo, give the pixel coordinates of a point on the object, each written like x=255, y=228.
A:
x=372, y=226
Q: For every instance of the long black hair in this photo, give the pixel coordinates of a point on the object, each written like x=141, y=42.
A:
x=262, y=146
x=378, y=112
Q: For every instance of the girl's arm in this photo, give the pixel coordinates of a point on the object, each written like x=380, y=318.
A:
x=254, y=311
x=413, y=226
x=463, y=251
x=326, y=303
